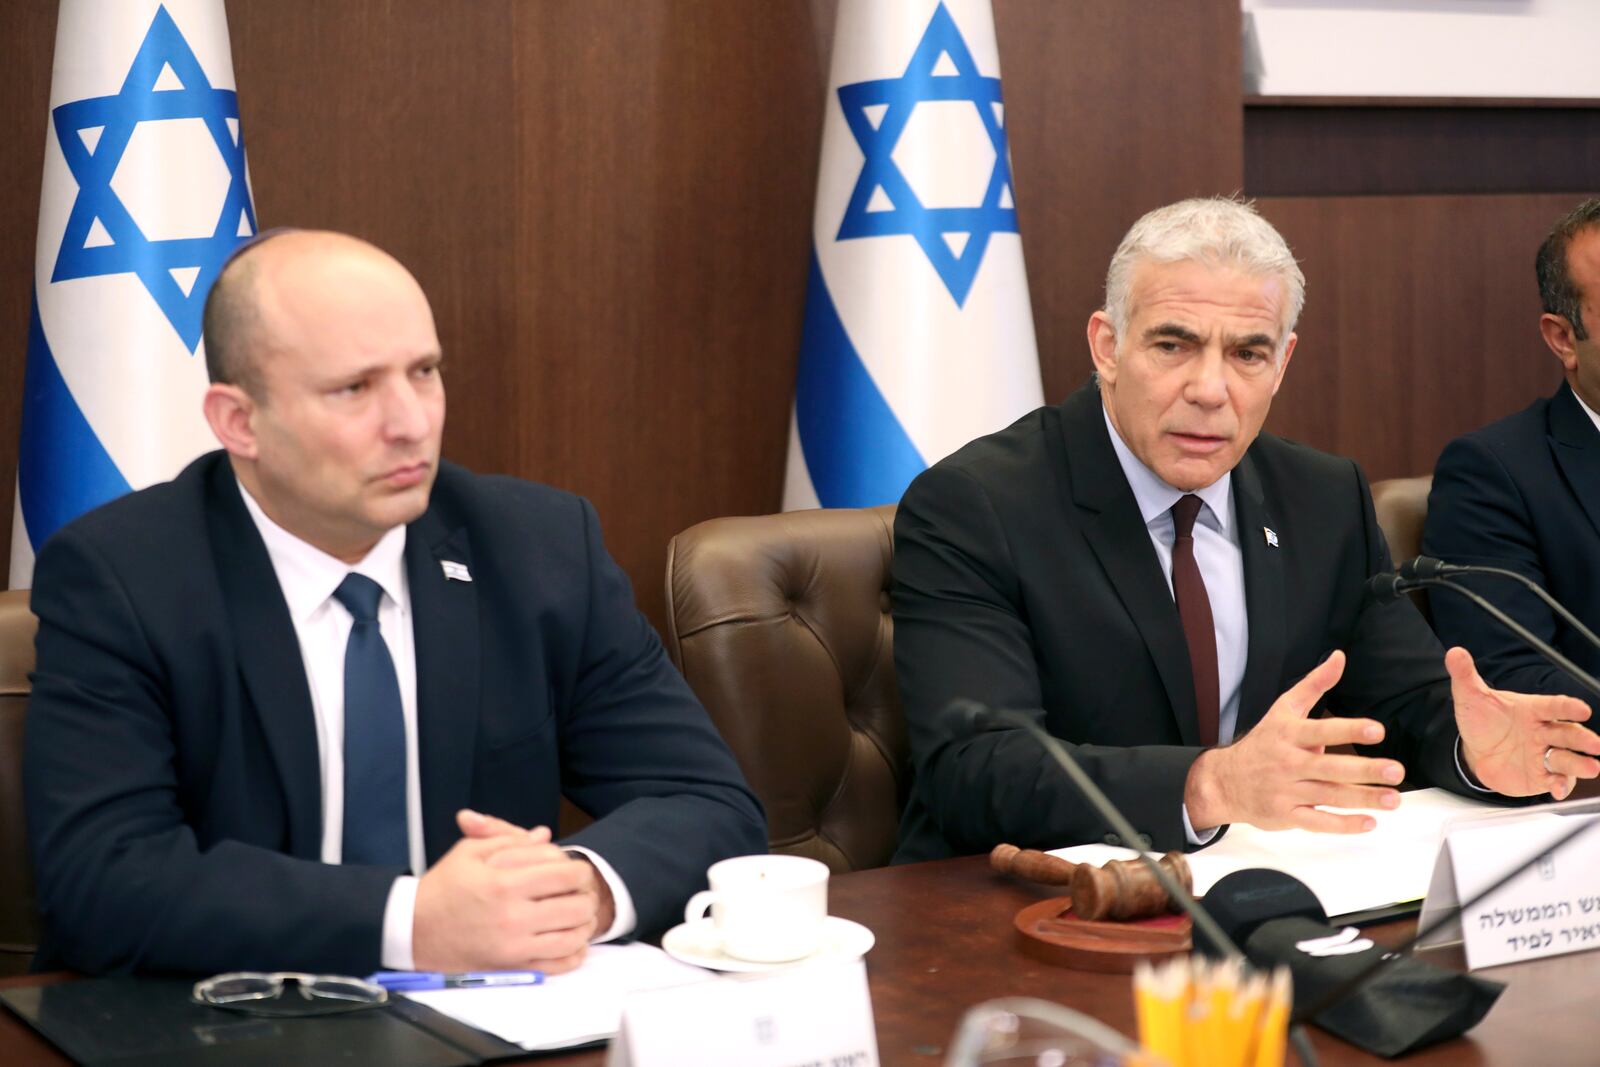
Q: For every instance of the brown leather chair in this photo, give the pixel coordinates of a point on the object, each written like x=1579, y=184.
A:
x=1402, y=507
x=19, y=920
x=781, y=625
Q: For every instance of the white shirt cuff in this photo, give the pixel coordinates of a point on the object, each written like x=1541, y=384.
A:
x=397, y=918
x=1196, y=837
x=1461, y=769
x=626, y=918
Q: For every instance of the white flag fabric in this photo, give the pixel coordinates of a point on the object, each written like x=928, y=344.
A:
x=918, y=331
x=145, y=195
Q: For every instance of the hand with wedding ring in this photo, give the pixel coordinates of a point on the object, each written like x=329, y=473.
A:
x=1520, y=744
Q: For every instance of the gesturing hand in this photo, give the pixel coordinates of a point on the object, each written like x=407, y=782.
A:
x=1276, y=775
x=1505, y=737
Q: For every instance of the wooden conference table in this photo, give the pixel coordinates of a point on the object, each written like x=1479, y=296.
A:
x=945, y=942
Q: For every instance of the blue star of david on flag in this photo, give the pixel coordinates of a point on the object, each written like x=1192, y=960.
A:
x=166, y=81
x=898, y=98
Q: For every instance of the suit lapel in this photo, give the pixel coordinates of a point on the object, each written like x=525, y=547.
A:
x=444, y=614
x=269, y=656
x=1576, y=445
x=1117, y=535
x=1263, y=596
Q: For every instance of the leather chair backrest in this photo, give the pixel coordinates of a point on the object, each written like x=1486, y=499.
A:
x=1402, y=508
x=781, y=625
x=19, y=921
x=1401, y=505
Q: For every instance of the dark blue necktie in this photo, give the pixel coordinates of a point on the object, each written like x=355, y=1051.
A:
x=374, y=736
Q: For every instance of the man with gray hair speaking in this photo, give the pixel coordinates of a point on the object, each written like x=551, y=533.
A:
x=1172, y=592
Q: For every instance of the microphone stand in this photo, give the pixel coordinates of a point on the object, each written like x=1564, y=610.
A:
x=1425, y=567
x=1394, y=585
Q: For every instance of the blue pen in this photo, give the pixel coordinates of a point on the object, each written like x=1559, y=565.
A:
x=417, y=981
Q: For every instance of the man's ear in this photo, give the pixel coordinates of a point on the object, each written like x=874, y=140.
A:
x=231, y=412
x=1103, y=346
x=1561, y=338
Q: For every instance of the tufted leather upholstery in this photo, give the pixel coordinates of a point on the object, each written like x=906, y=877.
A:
x=781, y=625
x=19, y=922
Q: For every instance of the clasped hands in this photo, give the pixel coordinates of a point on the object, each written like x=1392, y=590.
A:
x=506, y=898
x=1280, y=774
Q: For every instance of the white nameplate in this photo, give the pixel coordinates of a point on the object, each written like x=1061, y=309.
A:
x=1548, y=910
x=815, y=1015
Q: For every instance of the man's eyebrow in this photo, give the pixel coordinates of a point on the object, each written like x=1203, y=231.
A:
x=1173, y=330
x=1254, y=340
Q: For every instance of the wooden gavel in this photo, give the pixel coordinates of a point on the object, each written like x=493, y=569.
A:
x=1122, y=889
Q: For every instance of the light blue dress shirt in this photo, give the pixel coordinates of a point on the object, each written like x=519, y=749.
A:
x=1221, y=562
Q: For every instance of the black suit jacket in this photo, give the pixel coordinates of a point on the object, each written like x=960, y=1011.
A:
x=1522, y=493
x=1024, y=578
x=171, y=767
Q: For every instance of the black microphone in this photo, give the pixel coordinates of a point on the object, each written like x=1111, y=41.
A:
x=1428, y=567
x=970, y=716
x=1391, y=586
x=1388, y=585
x=1337, y=983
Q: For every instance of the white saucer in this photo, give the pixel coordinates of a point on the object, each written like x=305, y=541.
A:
x=696, y=943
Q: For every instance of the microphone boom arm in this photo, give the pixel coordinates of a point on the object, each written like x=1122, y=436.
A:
x=1581, y=676
x=1424, y=567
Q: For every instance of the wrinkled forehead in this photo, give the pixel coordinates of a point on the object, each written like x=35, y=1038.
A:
x=1202, y=293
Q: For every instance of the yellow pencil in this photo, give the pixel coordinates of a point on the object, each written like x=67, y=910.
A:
x=1274, y=1031
x=1226, y=1039
x=1246, y=1015
x=1161, y=1000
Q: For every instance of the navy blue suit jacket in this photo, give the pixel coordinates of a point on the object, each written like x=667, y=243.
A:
x=1522, y=493
x=171, y=767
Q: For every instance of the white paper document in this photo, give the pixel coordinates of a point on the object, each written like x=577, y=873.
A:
x=1390, y=864
x=566, y=1009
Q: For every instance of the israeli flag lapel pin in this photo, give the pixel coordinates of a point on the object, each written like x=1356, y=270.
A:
x=455, y=572
x=1269, y=534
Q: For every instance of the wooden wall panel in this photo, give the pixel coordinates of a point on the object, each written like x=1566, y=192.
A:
x=1421, y=321
x=666, y=161
x=1299, y=146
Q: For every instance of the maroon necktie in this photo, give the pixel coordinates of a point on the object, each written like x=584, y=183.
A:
x=1194, y=612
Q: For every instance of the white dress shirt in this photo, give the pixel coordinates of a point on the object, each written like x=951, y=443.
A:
x=1221, y=563
x=308, y=577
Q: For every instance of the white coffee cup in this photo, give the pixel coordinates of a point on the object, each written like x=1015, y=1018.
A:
x=765, y=909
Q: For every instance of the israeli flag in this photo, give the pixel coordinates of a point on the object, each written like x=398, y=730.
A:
x=145, y=194
x=918, y=332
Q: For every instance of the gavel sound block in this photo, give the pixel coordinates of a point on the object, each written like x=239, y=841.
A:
x=1115, y=916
